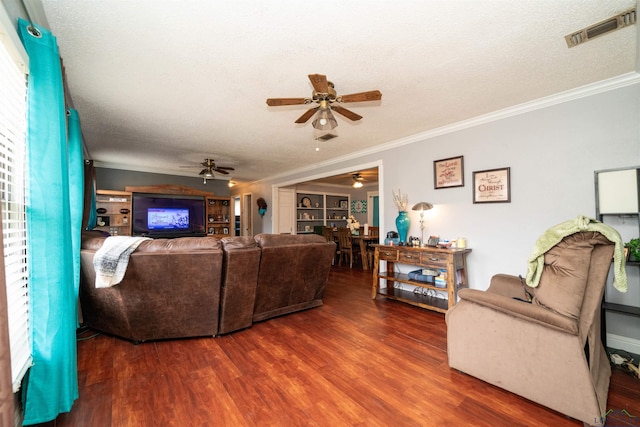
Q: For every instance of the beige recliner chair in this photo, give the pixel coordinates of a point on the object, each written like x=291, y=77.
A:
x=546, y=348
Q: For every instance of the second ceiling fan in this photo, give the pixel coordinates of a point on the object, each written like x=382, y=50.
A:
x=324, y=94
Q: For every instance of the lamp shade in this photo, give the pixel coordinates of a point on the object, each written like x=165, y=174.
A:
x=206, y=173
x=422, y=206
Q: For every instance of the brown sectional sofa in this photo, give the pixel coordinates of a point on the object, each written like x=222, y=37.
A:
x=188, y=287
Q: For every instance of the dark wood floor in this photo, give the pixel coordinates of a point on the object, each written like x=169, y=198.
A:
x=351, y=362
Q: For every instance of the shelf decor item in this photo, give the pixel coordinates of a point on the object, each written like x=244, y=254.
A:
x=353, y=225
x=402, y=224
x=262, y=206
x=402, y=220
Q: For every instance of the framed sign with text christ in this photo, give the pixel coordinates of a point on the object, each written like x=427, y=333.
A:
x=492, y=186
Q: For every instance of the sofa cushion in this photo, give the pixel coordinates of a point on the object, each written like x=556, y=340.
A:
x=564, y=277
x=93, y=240
x=238, y=242
x=277, y=240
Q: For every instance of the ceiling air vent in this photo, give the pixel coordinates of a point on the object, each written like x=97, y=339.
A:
x=326, y=137
x=616, y=22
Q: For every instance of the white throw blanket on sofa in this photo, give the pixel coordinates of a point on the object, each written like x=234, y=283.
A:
x=111, y=260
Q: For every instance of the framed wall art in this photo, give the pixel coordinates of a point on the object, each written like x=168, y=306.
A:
x=492, y=186
x=358, y=206
x=448, y=173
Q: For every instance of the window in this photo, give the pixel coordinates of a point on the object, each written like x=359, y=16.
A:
x=13, y=107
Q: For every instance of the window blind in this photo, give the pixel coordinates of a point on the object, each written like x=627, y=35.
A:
x=13, y=105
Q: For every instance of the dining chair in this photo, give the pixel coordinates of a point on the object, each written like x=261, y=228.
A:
x=327, y=232
x=371, y=251
x=345, y=245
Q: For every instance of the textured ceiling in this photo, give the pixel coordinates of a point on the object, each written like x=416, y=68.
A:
x=159, y=84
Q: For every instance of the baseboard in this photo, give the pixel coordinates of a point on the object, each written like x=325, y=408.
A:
x=619, y=342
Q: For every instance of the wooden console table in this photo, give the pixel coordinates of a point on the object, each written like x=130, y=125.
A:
x=451, y=261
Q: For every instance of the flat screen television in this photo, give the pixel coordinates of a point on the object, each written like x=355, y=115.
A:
x=167, y=215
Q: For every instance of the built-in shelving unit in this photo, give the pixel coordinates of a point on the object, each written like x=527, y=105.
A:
x=219, y=214
x=113, y=212
x=315, y=209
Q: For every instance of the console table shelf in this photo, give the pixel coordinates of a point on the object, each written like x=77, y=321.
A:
x=420, y=300
x=451, y=262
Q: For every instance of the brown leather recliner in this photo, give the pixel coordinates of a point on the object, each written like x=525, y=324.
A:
x=293, y=275
x=171, y=289
x=549, y=350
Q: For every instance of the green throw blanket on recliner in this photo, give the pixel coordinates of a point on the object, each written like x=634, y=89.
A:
x=555, y=234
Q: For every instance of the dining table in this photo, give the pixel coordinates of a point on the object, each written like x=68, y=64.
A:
x=360, y=240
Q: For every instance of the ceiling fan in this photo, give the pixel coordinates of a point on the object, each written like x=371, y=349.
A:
x=209, y=166
x=325, y=96
x=357, y=181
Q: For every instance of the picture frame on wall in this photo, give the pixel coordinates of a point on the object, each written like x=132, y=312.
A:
x=492, y=186
x=358, y=206
x=448, y=173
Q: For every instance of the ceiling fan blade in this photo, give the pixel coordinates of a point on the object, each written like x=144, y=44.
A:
x=319, y=83
x=307, y=115
x=347, y=113
x=220, y=170
x=372, y=95
x=277, y=102
x=223, y=168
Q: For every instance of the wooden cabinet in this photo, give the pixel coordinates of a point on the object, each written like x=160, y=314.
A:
x=113, y=212
x=320, y=209
x=450, y=264
x=219, y=215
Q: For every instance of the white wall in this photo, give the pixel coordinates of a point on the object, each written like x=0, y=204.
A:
x=552, y=152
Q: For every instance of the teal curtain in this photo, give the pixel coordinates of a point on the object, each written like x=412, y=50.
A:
x=376, y=211
x=90, y=215
x=51, y=384
x=76, y=192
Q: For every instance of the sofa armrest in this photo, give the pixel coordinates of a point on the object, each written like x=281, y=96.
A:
x=521, y=309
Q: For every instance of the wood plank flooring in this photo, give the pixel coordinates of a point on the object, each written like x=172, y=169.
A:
x=351, y=362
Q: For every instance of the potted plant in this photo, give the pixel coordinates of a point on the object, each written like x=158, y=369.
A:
x=634, y=249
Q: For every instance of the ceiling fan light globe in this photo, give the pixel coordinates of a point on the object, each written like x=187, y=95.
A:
x=325, y=120
x=206, y=173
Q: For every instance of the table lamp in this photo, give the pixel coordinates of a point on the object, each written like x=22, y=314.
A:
x=422, y=206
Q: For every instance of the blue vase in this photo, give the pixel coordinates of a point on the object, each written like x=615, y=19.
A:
x=402, y=224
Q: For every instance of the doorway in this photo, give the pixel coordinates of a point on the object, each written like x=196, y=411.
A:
x=247, y=215
x=341, y=181
x=237, y=211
